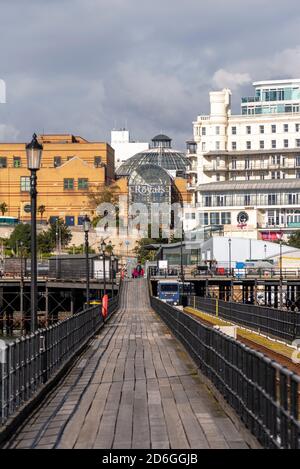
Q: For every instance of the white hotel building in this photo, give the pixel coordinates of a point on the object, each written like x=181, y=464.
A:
x=245, y=169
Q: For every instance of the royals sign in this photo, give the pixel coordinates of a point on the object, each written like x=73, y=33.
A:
x=147, y=189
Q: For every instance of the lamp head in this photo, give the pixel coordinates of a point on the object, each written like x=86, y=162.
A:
x=34, y=154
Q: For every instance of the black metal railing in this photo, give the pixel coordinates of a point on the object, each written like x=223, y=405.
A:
x=29, y=362
x=278, y=323
x=263, y=393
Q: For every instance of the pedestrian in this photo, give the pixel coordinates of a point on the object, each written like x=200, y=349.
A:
x=142, y=272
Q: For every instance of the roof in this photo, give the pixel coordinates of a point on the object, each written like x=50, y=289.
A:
x=161, y=138
x=256, y=185
x=168, y=159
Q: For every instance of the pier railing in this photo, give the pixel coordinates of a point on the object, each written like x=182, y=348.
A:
x=278, y=323
x=263, y=393
x=26, y=364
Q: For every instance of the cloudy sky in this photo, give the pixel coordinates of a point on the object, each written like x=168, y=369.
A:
x=86, y=66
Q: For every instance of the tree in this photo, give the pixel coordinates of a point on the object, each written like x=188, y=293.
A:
x=60, y=231
x=46, y=243
x=3, y=208
x=104, y=194
x=294, y=240
x=20, y=233
x=41, y=210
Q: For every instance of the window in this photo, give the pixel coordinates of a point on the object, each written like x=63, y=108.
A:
x=68, y=184
x=233, y=145
x=285, y=127
x=205, y=219
x=217, y=130
x=83, y=183
x=298, y=142
x=247, y=199
x=17, y=162
x=25, y=183
x=233, y=130
x=221, y=200
x=272, y=199
x=273, y=143
x=248, y=145
x=226, y=218
x=247, y=163
x=97, y=161
x=203, y=146
x=292, y=199
x=297, y=127
x=275, y=175
x=273, y=128
x=217, y=145
x=207, y=200
x=233, y=163
x=248, y=129
x=3, y=162
x=285, y=143
x=262, y=144
x=215, y=218
x=297, y=160
x=203, y=130
x=56, y=161
x=217, y=177
x=261, y=129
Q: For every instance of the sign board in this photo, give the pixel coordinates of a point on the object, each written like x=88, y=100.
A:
x=98, y=269
x=240, y=265
x=162, y=264
x=27, y=208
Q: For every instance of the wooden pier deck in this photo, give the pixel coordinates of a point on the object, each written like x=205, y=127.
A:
x=133, y=387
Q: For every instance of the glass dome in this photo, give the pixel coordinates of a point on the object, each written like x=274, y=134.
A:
x=161, y=154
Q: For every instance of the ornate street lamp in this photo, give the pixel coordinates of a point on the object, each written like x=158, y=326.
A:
x=112, y=270
x=34, y=152
x=102, y=249
x=86, y=229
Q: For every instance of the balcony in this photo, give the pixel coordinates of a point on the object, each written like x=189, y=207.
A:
x=250, y=99
x=214, y=168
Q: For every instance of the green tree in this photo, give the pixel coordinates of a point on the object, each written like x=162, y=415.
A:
x=104, y=194
x=3, y=208
x=20, y=233
x=46, y=244
x=294, y=240
x=59, y=230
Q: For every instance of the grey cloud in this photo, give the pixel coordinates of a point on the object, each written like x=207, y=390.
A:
x=82, y=65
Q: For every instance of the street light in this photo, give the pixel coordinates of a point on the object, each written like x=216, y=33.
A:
x=229, y=252
x=86, y=229
x=265, y=248
x=34, y=152
x=112, y=270
x=279, y=237
x=102, y=248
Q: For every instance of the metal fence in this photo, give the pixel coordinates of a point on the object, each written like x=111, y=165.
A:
x=29, y=362
x=263, y=393
x=276, y=322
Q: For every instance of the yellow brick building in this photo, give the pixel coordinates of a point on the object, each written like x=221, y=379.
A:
x=71, y=168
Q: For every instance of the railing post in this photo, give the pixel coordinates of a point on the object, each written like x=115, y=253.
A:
x=217, y=307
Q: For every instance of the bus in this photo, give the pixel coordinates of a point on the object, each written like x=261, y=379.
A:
x=173, y=291
x=9, y=221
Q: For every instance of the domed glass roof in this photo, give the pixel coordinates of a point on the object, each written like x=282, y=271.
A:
x=165, y=157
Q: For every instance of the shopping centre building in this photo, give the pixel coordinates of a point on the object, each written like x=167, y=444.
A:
x=245, y=169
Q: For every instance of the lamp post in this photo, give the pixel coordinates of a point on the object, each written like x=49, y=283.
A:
x=21, y=259
x=229, y=254
x=86, y=229
x=279, y=237
x=34, y=156
x=102, y=247
x=112, y=270
x=181, y=253
x=265, y=248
